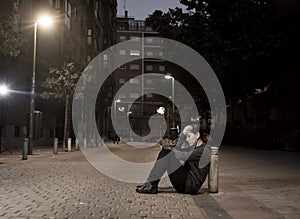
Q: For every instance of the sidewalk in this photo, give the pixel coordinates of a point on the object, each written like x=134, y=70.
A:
x=259, y=184
x=253, y=184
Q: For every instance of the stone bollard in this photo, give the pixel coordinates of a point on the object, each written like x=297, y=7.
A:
x=25, y=149
x=55, y=146
x=213, y=176
x=69, y=144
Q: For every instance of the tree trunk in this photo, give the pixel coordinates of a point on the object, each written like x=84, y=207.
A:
x=66, y=124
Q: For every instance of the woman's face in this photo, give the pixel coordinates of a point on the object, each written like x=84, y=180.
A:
x=191, y=138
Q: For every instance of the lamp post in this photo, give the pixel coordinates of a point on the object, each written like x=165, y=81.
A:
x=3, y=92
x=115, y=119
x=45, y=21
x=128, y=127
x=161, y=111
x=115, y=110
x=168, y=77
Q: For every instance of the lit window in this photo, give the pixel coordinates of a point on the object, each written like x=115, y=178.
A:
x=89, y=37
x=105, y=57
x=134, y=52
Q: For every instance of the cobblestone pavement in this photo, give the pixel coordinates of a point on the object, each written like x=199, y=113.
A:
x=252, y=184
x=67, y=186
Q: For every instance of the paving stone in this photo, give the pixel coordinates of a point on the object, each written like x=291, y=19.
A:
x=67, y=186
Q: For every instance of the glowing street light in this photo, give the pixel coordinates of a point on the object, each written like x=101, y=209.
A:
x=3, y=90
x=168, y=76
x=44, y=20
x=161, y=110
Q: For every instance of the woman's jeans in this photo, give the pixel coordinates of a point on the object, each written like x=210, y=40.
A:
x=166, y=161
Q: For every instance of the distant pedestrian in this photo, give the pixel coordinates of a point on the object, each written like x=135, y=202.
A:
x=116, y=139
x=181, y=164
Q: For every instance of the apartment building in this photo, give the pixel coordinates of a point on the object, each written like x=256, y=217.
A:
x=136, y=74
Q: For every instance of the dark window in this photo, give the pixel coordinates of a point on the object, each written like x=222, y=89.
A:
x=41, y=133
x=51, y=134
x=17, y=132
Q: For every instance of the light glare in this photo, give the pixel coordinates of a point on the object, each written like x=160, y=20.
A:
x=45, y=20
x=167, y=76
x=3, y=90
x=161, y=110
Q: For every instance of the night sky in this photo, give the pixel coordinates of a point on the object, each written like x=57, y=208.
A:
x=141, y=8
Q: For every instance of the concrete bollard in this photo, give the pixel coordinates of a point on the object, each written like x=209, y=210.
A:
x=213, y=176
x=84, y=143
x=69, y=144
x=76, y=145
x=25, y=149
x=55, y=146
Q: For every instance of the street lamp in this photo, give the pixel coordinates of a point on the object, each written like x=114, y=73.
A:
x=168, y=76
x=44, y=20
x=3, y=92
x=128, y=126
x=115, y=109
x=115, y=119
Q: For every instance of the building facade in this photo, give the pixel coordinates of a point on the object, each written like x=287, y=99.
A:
x=80, y=31
x=136, y=73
